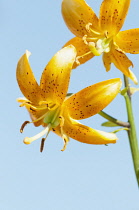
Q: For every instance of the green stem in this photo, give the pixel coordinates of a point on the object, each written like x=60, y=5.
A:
x=132, y=131
x=114, y=120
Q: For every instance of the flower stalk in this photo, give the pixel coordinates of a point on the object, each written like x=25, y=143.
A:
x=114, y=120
x=133, y=141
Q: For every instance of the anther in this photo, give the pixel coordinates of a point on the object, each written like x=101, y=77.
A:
x=77, y=60
x=42, y=144
x=23, y=125
x=65, y=140
x=106, y=34
x=88, y=27
x=85, y=39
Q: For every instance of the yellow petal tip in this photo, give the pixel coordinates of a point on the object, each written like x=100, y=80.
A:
x=133, y=77
x=28, y=53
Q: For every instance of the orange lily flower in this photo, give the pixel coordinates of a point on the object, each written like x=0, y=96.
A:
x=96, y=36
x=50, y=106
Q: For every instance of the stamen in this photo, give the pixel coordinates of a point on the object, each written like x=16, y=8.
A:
x=23, y=104
x=106, y=34
x=66, y=140
x=77, y=60
x=49, y=105
x=37, y=108
x=23, y=125
x=39, y=118
x=84, y=39
x=28, y=140
x=81, y=56
x=43, y=103
x=22, y=100
x=61, y=122
x=42, y=144
x=52, y=107
x=88, y=28
x=88, y=39
x=63, y=135
x=27, y=122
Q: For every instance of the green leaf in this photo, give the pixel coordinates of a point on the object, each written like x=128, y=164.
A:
x=109, y=124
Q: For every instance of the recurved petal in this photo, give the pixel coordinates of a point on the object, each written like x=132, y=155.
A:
x=77, y=14
x=26, y=80
x=83, y=50
x=86, y=134
x=122, y=62
x=113, y=14
x=92, y=99
x=128, y=41
x=55, y=77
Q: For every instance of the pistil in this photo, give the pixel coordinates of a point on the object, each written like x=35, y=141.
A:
x=28, y=140
x=102, y=45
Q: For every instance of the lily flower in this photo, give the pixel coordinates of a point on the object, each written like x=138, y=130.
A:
x=50, y=106
x=96, y=36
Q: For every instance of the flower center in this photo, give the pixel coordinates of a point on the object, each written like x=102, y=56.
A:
x=97, y=42
x=102, y=45
x=51, y=118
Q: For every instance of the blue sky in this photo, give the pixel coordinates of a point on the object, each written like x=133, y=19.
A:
x=84, y=176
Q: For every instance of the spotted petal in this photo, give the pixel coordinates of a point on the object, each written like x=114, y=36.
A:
x=92, y=99
x=122, y=63
x=107, y=60
x=128, y=41
x=77, y=14
x=26, y=80
x=55, y=77
x=82, y=50
x=112, y=15
x=86, y=134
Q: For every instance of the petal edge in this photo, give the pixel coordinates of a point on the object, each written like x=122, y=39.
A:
x=92, y=99
x=26, y=80
x=86, y=134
